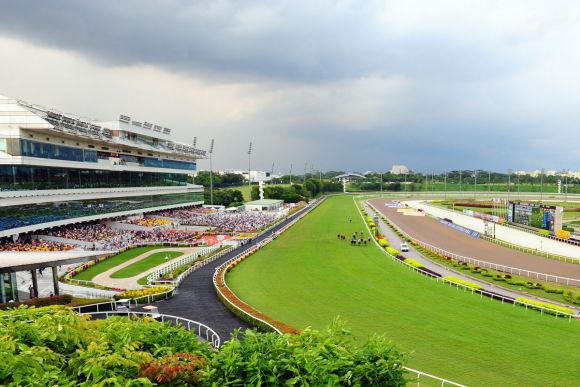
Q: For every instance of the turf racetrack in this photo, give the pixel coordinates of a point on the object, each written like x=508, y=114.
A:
x=429, y=230
x=307, y=277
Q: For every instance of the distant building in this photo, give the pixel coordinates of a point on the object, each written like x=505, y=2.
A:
x=399, y=169
x=255, y=176
x=264, y=205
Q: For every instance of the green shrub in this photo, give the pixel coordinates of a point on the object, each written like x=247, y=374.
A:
x=553, y=290
x=516, y=282
x=463, y=282
x=413, y=262
x=550, y=307
x=486, y=274
x=498, y=277
x=543, y=232
x=383, y=242
x=394, y=252
x=572, y=297
x=329, y=357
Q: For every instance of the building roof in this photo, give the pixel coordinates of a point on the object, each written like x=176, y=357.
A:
x=264, y=202
x=351, y=175
x=20, y=260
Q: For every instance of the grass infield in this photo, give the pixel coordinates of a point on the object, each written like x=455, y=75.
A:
x=145, y=264
x=91, y=272
x=308, y=276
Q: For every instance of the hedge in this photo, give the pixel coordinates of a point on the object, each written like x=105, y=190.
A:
x=463, y=282
x=64, y=299
x=551, y=308
x=392, y=251
x=413, y=262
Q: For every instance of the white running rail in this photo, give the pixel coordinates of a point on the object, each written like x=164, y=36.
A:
x=496, y=266
x=482, y=292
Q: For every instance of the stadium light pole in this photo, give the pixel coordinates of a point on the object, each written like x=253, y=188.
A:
x=489, y=181
x=210, y=172
x=250, y=167
x=566, y=187
x=426, y=177
x=290, y=173
x=304, y=178
x=381, y=184
x=460, y=182
x=542, y=185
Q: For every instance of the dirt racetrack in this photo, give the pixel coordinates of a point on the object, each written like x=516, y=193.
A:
x=429, y=230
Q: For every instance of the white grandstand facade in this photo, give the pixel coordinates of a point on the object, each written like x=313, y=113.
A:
x=57, y=169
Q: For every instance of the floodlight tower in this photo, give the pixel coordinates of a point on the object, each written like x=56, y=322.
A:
x=210, y=169
x=250, y=166
x=290, y=173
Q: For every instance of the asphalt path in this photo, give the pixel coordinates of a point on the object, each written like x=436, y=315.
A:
x=196, y=297
x=429, y=230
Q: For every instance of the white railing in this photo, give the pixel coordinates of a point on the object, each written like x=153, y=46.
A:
x=491, y=265
x=180, y=262
x=482, y=292
x=175, y=282
x=202, y=330
x=529, y=250
x=430, y=377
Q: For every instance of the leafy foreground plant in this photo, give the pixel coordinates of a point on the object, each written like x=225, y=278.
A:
x=329, y=357
x=54, y=346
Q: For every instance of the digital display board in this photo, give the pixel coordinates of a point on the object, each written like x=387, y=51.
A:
x=534, y=215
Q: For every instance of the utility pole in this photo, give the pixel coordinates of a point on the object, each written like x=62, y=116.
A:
x=210, y=170
x=250, y=167
x=445, y=185
x=272, y=174
x=489, y=180
x=381, y=184
x=290, y=174
x=460, y=182
x=304, y=178
x=475, y=185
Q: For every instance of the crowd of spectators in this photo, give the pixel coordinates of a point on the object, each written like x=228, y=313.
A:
x=107, y=238
x=246, y=221
x=34, y=246
x=150, y=222
x=90, y=232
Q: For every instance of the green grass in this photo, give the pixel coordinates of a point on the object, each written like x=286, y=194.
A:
x=91, y=272
x=306, y=277
x=145, y=264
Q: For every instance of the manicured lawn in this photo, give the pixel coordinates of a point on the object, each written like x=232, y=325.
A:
x=308, y=276
x=144, y=264
x=118, y=259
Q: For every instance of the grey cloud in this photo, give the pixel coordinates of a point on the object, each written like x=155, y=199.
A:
x=299, y=41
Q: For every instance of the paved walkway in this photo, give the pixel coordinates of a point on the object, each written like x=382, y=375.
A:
x=131, y=283
x=395, y=241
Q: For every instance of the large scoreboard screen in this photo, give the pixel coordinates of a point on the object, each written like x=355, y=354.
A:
x=535, y=215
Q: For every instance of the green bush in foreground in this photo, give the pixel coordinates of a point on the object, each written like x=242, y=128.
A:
x=59, y=347
x=394, y=252
x=463, y=282
x=329, y=357
x=550, y=307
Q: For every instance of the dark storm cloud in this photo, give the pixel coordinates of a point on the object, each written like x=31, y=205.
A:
x=302, y=41
x=339, y=84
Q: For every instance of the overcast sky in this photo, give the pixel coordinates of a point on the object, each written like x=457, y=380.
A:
x=340, y=85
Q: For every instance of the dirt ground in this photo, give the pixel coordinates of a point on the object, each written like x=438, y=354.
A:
x=429, y=230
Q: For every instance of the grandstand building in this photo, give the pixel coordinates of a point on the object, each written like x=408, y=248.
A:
x=57, y=169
